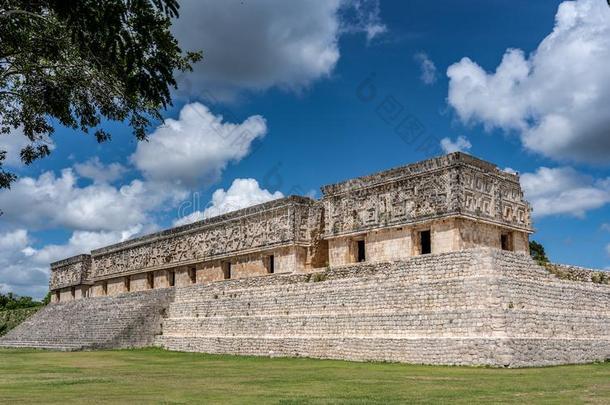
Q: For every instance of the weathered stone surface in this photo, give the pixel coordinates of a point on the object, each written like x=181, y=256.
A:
x=476, y=307
x=70, y=272
x=278, y=223
x=126, y=321
x=473, y=307
x=455, y=184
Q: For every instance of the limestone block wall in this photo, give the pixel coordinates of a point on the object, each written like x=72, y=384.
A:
x=480, y=306
x=139, y=282
x=430, y=309
x=209, y=271
x=65, y=294
x=447, y=235
x=116, y=286
x=549, y=320
x=389, y=244
x=473, y=234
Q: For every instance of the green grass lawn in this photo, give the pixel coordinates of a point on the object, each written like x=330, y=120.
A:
x=157, y=376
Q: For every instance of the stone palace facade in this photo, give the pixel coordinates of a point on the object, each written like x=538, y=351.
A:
x=426, y=263
x=441, y=205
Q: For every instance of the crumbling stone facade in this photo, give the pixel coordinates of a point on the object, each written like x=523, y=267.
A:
x=454, y=202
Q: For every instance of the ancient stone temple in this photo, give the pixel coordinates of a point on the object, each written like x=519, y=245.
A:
x=425, y=263
x=442, y=205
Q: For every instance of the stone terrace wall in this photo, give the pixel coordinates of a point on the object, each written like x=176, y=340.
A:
x=431, y=309
x=474, y=307
x=549, y=320
x=477, y=307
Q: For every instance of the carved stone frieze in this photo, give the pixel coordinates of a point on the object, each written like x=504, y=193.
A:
x=279, y=222
x=70, y=272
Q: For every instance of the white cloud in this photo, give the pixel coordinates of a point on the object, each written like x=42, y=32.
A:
x=362, y=16
x=510, y=170
x=461, y=144
x=50, y=201
x=197, y=147
x=99, y=172
x=428, y=68
x=81, y=242
x=242, y=193
x=13, y=142
x=18, y=273
x=13, y=240
x=563, y=190
x=256, y=45
x=606, y=227
x=557, y=97
x=608, y=251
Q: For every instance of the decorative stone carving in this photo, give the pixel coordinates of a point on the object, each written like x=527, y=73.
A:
x=277, y=223
x=70, y=272
x=455, y=184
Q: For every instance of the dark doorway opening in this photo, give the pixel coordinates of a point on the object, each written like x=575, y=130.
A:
x=425, y=242
x=226, y=269
x=105, y=288
x=271, y=264
x=150, y=279
x=193, y=275
x=127, y=284
x=361, y=255
x=73, y=292
x=505, y=241
x=171, y=278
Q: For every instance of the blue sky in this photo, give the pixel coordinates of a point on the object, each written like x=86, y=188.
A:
x=294, y=95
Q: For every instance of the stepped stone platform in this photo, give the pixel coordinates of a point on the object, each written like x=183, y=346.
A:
x=126, y=321
x=481, y=306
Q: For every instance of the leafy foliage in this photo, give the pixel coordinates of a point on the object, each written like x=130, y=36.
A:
x=11, y=318
x=76, y=62
x=11, y=301
x=538, y=253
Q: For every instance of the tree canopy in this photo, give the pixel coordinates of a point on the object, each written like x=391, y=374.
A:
x=11, y=301
x=538, y=253
x=78, y=62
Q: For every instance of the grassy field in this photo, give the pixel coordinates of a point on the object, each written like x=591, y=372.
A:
x=156, y=376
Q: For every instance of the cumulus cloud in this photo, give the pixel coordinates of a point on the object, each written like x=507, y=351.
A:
x=428, y=68
x=461, y=144
x=57, y=201
x=99, y=172
x=256, y=45
x=17, y=272
x=556, y=98
x=13, y=142
x=243, y=193
x=80, y=242
x=196, y=148
x=563, y=190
